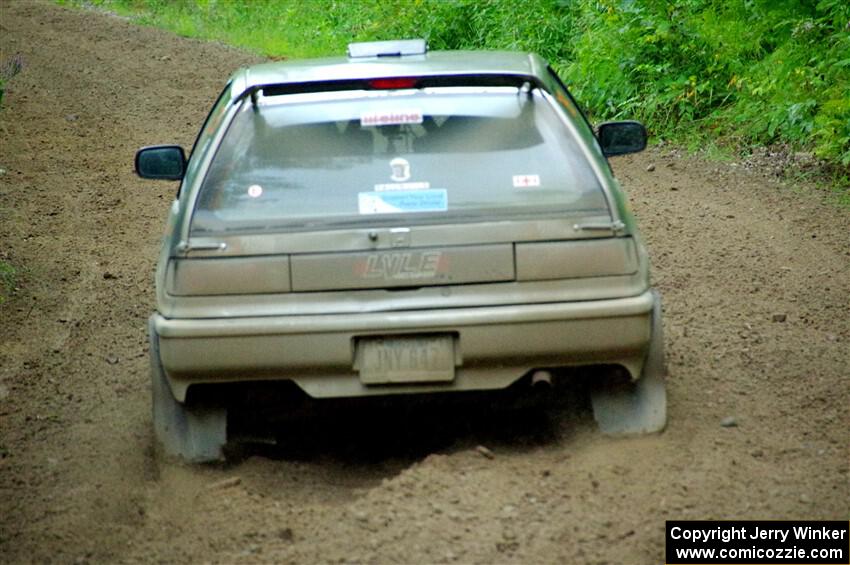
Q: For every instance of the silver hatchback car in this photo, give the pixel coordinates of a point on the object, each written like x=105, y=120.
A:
x=399, y=221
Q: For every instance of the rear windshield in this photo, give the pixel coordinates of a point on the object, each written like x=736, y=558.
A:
x=435, y=155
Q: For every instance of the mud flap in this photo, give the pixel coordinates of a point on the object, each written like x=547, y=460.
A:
x=194, y=433
x=636, y=407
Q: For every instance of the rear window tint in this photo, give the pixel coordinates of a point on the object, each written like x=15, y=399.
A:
x=434, y=155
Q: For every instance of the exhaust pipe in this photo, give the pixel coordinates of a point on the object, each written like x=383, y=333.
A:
x=541, y=380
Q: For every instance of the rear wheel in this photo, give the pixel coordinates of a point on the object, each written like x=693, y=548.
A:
x=638, y=407
x=196, y=433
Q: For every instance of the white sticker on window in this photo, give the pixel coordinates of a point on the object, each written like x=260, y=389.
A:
x=402, y=186
x=401, y=201
x=391, y=117
x=526, y=181
x=255, y=191
x=400, y=169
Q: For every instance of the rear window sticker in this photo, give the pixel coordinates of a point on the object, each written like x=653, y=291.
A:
x=391, y=117
x=401, y=201
x=400, y=169
x=526, y=181
x=402, y=186
x=255, y=191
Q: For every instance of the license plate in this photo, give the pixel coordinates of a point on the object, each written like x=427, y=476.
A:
x=402, y=359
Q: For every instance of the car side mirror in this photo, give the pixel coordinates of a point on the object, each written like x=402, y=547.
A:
x=163, y=162
x=619, y=138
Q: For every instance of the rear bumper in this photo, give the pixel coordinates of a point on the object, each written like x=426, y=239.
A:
x=496, y=345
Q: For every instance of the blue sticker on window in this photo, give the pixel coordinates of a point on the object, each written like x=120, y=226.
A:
x=401, y=201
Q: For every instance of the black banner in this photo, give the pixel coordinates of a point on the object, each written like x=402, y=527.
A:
x=747, y=542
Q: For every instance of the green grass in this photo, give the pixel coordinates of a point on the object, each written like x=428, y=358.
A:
x=7, y=280
x=8, y=69
x=739, y=73
x=8, y=275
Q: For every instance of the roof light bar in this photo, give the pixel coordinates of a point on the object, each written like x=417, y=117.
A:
x=396, y=48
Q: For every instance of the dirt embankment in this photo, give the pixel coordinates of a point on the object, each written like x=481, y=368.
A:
x=756, y=282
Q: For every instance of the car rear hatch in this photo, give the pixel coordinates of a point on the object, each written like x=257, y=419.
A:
x=406, y=188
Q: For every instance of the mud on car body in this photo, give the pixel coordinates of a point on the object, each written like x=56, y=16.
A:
x=398, y=221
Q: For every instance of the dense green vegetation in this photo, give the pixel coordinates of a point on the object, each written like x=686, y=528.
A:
x=749, y=72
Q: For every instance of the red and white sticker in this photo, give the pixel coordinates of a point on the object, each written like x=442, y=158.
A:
x=391, y=117
x=526, y=181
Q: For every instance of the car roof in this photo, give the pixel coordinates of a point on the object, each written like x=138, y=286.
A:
x=433, y=63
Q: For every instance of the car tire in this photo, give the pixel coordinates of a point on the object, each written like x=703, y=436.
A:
x=638, y=407
x=196, y=433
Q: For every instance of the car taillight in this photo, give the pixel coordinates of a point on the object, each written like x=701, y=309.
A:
x=228, y=275
x=572, y=259
x=392, y=83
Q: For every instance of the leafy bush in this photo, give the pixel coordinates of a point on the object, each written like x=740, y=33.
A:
x=758, y=71
x=748, y=71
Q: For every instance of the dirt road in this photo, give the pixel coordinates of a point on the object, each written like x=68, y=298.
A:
x=756, y=281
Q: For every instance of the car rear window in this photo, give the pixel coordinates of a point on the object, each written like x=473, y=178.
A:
x=433, y=155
